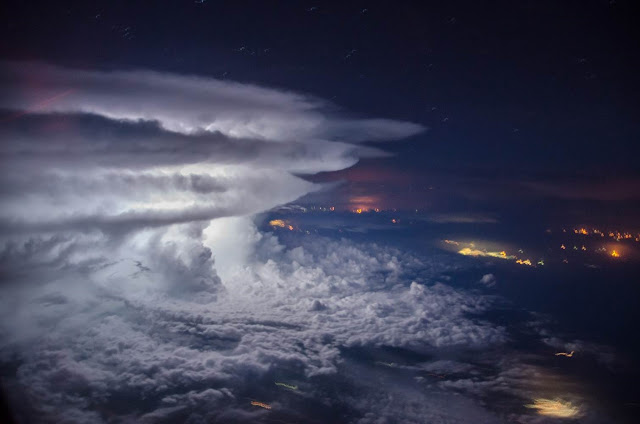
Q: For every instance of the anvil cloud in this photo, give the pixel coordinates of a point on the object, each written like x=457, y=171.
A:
x=139, y=148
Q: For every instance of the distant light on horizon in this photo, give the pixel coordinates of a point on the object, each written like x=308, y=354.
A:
x=554, y=408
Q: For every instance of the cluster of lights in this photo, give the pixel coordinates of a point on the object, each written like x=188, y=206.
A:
x=616, y=235
x=614, y=253
x=365, y=210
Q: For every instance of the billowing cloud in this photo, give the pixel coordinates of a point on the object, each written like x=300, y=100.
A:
x=193, y=358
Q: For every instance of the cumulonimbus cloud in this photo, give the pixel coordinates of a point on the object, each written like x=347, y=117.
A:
x=137, y=289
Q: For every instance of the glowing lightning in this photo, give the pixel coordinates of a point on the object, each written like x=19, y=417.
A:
x=568, y=355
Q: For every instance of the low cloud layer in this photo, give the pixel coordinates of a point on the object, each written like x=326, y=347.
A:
x=117, y=332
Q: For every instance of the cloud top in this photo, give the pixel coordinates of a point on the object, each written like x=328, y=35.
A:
x=90, y=149
x=189, y=104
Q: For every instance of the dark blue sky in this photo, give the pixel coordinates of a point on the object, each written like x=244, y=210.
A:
x=531, y=105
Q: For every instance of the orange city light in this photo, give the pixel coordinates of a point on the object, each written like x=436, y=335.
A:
x=260, y=404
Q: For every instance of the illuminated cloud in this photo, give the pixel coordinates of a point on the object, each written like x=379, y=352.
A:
x=189, y=104
x=127, y=150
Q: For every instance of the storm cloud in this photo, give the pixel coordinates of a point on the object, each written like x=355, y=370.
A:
x=138, y=288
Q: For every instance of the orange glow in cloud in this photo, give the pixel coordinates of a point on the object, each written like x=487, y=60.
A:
x=525, y=262
x=568, y=355
x=615, y=254
x=277, y=223
x=360, y=204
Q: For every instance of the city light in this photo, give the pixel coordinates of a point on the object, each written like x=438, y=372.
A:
x=260, y=404
x=554, y=408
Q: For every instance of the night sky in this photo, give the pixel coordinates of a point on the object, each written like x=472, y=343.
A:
x=319, y=212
